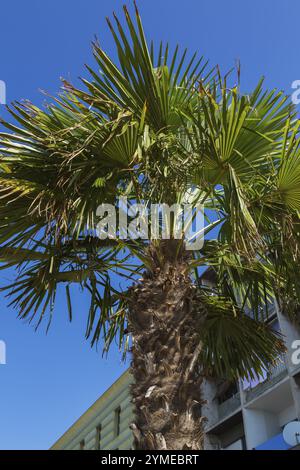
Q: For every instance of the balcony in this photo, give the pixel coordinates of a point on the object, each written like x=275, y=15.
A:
x=273, y=376
x=229, y=406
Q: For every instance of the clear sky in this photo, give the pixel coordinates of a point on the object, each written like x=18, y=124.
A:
x=49, y=381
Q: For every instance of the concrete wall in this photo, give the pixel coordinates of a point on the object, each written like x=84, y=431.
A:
x=259, y=426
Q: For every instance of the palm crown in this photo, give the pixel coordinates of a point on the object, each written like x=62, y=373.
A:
x=151, y=127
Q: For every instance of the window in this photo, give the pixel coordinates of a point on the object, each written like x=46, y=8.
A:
x=226, y=390
x=82, y=444
x=250, y=383
x=117, y=421
x=98, y=437
x=240, y=444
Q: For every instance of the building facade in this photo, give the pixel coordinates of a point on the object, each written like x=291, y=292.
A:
x=242, y=415
x=105, y=425
x=252, y=414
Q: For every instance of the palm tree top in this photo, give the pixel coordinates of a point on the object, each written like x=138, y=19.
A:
x=151, y=126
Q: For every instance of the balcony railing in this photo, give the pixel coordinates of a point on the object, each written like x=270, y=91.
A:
x=275, y=374
x=226, y=408
x=229, y=406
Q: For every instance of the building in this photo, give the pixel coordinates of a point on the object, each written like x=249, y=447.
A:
x=105, y=425
x=252, y=414
x=243, y=415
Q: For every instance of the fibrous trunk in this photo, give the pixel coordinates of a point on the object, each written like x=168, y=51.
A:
x=165, y=326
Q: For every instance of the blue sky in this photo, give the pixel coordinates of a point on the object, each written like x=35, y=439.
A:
x=49, y=381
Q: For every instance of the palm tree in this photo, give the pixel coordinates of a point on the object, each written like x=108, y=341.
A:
x=156, y=128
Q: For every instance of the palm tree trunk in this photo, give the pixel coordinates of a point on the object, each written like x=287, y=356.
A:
x=166, y=346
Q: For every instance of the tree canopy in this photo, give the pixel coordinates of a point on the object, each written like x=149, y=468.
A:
x=152, y=126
